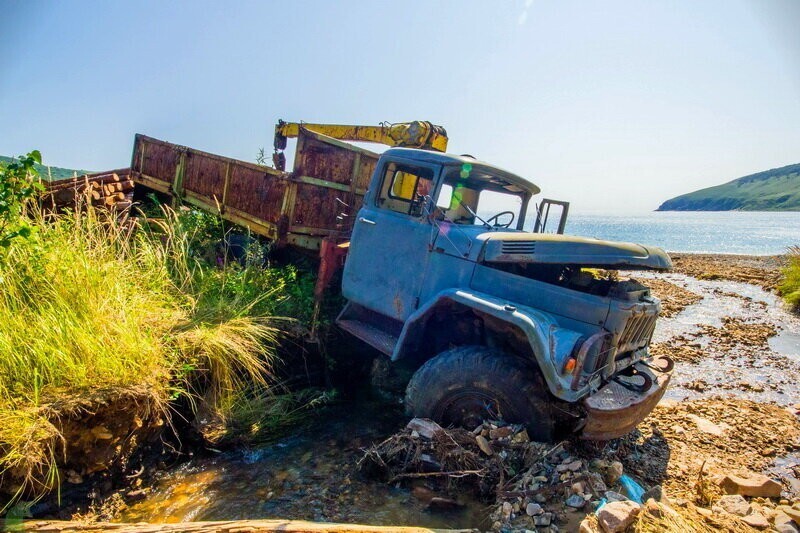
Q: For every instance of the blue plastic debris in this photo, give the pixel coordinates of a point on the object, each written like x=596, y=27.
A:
x=632, y=489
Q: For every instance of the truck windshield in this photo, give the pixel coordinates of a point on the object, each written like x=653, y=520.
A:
x=480, y=199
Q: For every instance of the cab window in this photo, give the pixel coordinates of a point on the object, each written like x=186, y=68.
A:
x=406, y=189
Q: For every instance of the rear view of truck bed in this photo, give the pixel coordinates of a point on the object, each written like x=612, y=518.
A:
x=297, y=208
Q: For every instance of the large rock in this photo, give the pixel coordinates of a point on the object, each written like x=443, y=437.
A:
x=784, y=524
x=751, y=484
x=793, y=513
x=733, y=504
x=617, y=516
x=756, y=520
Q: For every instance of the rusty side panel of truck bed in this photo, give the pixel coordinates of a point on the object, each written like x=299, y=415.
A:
x=299, y=208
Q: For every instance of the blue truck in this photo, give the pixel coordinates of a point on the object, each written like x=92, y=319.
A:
x=451, y=271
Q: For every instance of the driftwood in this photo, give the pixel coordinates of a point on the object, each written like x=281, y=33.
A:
x=231, y=526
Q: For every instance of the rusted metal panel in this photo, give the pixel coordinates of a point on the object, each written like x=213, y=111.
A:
x=347, y=169
x=257, y=191
x=298, y=209
x=157, y=159
x=204, y=175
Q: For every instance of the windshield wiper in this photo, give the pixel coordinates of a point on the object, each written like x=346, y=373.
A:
x=473, y=213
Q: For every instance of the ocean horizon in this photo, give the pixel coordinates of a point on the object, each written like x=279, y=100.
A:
x=723, y=232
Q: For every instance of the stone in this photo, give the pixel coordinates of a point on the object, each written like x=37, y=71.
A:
x=657, y=493
x=575, y=501
x=733, y=504
x=612, y=496
x=570, y=466
x=521, y=437
x=617, y=516
x=484, y=445
x=614, y=472
x=438, y=503
x=507, y=508
x=533, y=509
x=500, y=433
x=791, y=512
x=707, y=426
x=543, y=519
x=578, y=487
x=596, y=482
x=784, y=524
x=751, y=484
x=425, y=427
x=652, y=508
x=756, y=520
x=708, y=513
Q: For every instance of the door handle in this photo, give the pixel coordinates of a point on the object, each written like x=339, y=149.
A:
x=366, y=221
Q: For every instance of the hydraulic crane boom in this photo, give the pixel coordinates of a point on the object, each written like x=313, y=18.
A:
x=416, y=134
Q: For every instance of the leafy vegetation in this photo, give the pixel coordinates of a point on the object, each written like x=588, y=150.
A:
x=19, y=184
x=774, y=190
x=87, y=304
x=790, y=284
x=46, y=172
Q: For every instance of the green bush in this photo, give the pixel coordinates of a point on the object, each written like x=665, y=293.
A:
x=790, y=284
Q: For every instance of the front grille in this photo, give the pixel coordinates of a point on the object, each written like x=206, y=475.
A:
x=518, y=247
x=637, y=333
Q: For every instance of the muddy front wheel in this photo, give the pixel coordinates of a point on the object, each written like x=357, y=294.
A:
x=466, y=385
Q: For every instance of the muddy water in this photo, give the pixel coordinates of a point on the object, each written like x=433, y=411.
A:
x=310, y=476
x=769, y=373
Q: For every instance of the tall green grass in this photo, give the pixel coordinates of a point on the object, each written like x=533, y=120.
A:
x=789, y=286
x=87, y=303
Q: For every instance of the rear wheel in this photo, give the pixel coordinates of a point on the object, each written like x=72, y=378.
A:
x=466, y=385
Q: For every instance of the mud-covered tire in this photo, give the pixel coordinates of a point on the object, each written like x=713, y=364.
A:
x=463, y=386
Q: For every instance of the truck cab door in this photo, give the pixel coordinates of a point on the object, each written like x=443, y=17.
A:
x=543, y=223
x=389, y=246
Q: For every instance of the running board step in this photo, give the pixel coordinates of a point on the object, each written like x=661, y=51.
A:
x=380, y=340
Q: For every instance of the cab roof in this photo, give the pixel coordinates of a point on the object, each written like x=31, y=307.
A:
x=478, y=167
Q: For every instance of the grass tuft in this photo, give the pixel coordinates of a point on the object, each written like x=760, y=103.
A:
x=789, y=286
x=87, y=304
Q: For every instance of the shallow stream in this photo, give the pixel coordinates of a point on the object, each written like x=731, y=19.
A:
x=309, y=476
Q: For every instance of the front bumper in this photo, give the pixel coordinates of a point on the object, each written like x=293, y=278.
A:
x=614, y=410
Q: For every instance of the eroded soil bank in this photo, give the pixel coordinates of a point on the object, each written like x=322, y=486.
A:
x=729, y=411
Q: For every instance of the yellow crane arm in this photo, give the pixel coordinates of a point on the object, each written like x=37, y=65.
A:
x=416, y=134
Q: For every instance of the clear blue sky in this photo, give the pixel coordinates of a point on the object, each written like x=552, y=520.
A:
x=614, y=105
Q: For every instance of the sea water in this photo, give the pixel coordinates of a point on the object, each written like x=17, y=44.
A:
x=730, y=232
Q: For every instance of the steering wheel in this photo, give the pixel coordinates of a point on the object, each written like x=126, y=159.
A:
x=498, y=215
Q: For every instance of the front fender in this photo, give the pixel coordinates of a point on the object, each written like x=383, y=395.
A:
x=550, y=343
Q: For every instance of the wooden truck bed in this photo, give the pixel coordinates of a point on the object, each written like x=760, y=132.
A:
x=297, y=208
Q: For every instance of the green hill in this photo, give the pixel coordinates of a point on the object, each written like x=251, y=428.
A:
x=54, y=173
x=773, y=190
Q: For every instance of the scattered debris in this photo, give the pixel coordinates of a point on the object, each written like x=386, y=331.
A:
x=674, y=298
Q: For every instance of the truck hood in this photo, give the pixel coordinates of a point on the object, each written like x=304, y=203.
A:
x=545, y=248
